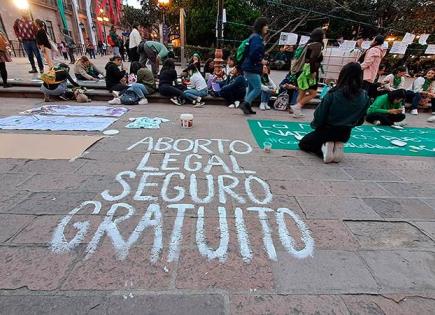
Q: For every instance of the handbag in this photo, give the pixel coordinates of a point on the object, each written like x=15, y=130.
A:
x=281, y=102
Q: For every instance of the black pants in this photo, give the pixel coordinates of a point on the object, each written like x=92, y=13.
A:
x=385, y=119
x=232, y=94
x=170, y=91
x=3, y=72
x=313, y=141
x=72, y=59
x=371, y=88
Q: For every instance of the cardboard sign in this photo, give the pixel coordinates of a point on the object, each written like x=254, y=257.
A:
x=430, y=50
x=399, y=48
x=348, y=45
x=408, y=38
x=423, y=39
x=288, y=38
x=304, y=40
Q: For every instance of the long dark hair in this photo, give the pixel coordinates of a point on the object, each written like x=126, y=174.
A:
x=135, y=66
x=350, y=80
x=168, y=65
x=259, y=24
x=317, y=36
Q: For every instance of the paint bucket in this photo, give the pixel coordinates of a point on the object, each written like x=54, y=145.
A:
x=186, y=120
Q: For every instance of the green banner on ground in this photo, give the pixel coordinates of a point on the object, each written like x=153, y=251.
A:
x=365, y=139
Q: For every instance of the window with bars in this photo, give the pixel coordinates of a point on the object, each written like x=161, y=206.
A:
x=50, y=30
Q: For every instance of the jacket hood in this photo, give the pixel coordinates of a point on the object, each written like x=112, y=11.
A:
x=110, y=64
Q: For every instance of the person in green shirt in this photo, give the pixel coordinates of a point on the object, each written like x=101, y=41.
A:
x=342, y=109
x=387, y=109
x=153, y=51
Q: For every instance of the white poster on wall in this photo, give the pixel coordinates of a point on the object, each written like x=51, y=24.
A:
x=366, y=44
x=399, y=48
x=348, y=45
x=430, y=50
x=423, y=39
x=408, y=38
x=288, y=38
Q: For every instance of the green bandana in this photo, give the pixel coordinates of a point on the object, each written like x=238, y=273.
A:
x=426, y=84
x=396, y=82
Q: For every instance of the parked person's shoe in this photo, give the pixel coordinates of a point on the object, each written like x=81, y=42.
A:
x=231, y=106
x=245, y=108
x=431, y=118
x=262, y=106
x=338, y=152
x=237, y=104
x=115, y=101
x=414, y=112
x=143, y=101
x=33, y=71
x=377, y=123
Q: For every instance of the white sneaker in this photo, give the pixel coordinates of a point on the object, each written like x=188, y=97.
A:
x=199, y=105
x=198, y=99
x=143, y=101
x=414, y=112
x=338, y=152
x=267, y=106
x=297, y=112
x=176, y=101
x=231, y=106
x=237, y=103
x=263, y=106
x=328, y=152
x=395, y=126
x=431, y=118
x=377, y=123
x=115, y=101
x=115, y=94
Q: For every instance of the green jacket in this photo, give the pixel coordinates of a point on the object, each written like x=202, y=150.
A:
x=382, y=105
x=146, y=77
x=338, y=111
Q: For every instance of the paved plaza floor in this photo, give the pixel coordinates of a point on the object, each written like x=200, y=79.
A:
x=202, y=221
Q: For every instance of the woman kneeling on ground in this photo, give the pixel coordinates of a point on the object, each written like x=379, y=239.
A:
x=342, y=109
x=387, y=109
x=84, y=70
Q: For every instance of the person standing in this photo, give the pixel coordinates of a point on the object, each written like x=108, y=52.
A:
x=153, y=51
x=43, y=42
x=134, y=40
x=71, y=45
x=90, y=48
x=370, y=62
x=252, y=65
x=342, y=109
x=25, y=30
x=4, y=57
x=313, y=57
x=64, y=50
x=114, y=41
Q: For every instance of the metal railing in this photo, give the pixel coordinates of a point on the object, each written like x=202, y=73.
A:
x=18, y=49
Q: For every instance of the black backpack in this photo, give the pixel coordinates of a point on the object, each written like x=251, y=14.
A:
x=129, y=98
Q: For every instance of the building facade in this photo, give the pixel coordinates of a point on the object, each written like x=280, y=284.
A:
x=81, y=19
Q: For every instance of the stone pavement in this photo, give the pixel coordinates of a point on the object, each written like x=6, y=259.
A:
x=204, y=222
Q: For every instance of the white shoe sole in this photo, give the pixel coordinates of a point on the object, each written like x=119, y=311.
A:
x=328, y=152
x=338, y=152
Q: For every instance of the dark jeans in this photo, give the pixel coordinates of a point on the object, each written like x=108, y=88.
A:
x=415, y=99
x=313, y=141
x=133, y=54
x=371, y=88
x=232, y=94
x=385, y=119
x=92, y=53
x=71, y=55
x=4, y=72
x=32, y=50
x=170, y=91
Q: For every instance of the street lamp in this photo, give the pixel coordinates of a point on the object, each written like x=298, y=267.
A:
x=102, y=18
x=23, y=5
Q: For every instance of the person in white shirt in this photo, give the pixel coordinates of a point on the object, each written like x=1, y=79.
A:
x=134, y=40
x=268, y=88
x=422, y=89
x=395, y=80
x=199, y=88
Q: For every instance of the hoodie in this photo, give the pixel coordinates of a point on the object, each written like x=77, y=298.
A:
x=372, y=60
x=113, y=75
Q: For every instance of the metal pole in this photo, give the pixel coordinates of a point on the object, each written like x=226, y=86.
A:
x=182, y=36
x=219, y=23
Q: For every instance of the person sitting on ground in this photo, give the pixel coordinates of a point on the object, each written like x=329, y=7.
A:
x=55, y=83
x=394, y=81
x=134, y=94
x=231, y=63
x=290, y=86
x=168, y=82
x=233, y=89
x=84, y=70
x=268, y=88
x=387, y=109
x=116, y=80
x=208, y=68
x=143, y=76
x=342, y=109
x=199, y=88
x=196, y=61
x=422, y=91
x=215, y=80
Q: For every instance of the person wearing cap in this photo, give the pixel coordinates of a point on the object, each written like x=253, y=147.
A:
x=371, y=60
